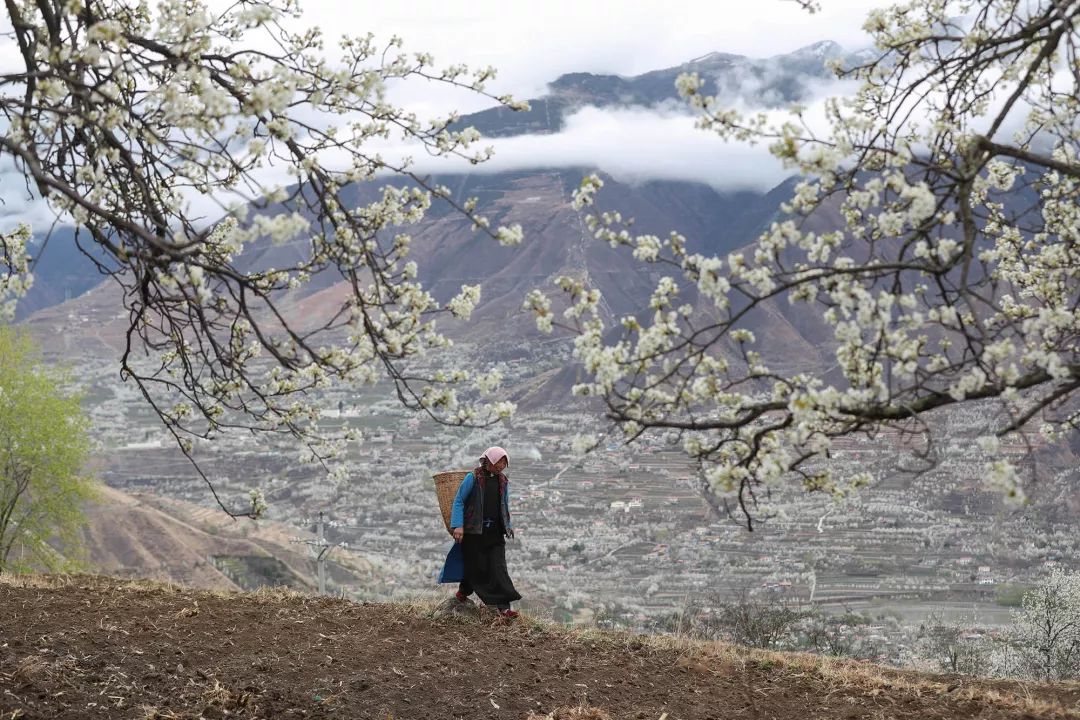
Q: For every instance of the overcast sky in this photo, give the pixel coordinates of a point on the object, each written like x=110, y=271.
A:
x=532, y=43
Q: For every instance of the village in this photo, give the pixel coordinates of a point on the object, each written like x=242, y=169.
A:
x=628, y=522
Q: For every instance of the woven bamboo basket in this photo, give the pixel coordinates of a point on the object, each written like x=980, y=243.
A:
x=446, y=487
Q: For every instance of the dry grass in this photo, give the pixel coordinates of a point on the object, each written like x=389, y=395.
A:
x=872, y=680
x=60, y=581
x=220, y=696
x=36, y=668
x=35, y=581
x=31, y=668
x=216, y=696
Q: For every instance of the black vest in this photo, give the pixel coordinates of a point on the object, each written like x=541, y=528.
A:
x=474, y=504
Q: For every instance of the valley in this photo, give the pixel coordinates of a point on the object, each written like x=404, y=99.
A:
x=622, y=536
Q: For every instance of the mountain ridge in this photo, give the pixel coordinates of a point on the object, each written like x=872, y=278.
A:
x=770, y=82
x=557, y=242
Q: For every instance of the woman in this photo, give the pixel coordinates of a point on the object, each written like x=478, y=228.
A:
x=480, y=523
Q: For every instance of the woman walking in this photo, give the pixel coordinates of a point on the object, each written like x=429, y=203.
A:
x=480, y=523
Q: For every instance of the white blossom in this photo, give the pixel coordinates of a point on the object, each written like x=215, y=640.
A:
x=902, y=235
x=132, y=118
x=465, y=301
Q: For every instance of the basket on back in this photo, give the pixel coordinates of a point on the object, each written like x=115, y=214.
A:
x=446, y=487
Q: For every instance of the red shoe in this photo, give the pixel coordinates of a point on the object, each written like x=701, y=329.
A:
x=509, y=614
x=461, y=598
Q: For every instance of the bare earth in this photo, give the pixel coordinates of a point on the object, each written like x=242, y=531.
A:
x=153, y=537
x=87, y=647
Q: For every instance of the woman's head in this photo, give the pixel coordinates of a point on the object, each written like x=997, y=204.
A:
x=495, y=459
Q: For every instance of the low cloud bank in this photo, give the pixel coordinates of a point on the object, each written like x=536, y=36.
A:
x=635, y=145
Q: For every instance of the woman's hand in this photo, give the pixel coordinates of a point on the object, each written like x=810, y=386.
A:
x=458, y=533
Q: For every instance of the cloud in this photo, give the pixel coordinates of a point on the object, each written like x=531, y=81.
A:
x=533, y=43
x=633, y=145
x=19, y=203
x=636, y=144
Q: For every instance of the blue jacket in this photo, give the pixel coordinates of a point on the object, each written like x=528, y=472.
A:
x=468, y=509
x=468, y=513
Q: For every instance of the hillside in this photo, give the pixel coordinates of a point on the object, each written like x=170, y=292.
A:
x=151, y=537
x=78, y=319
x=95, y=647
x=88, y=331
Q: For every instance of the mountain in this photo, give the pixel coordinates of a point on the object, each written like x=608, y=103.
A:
x=63, y=273
x=64, y=267
x=450, y=253
x=770, y=82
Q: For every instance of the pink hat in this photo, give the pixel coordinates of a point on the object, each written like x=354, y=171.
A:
x=495, y=454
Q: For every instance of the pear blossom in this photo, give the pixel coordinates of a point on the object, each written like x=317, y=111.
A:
x=949, y=274
x=127, y=120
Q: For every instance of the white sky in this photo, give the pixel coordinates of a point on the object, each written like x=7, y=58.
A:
x=532, y=42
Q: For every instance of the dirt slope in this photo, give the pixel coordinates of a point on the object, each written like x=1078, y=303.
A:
x=152, y=537
x=100, y=648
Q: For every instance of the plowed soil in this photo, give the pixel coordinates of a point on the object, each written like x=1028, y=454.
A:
x=99, y=648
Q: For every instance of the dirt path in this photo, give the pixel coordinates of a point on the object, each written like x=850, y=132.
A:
x=99, y=648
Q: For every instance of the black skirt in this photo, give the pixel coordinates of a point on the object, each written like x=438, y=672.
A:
x=485, y=567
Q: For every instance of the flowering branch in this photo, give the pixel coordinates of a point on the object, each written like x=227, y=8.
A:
x=942, y=257
x=127, y=122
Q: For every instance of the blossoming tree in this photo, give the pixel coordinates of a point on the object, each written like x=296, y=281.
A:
x=1046, y=628
x=950, y=274
x=127, y=119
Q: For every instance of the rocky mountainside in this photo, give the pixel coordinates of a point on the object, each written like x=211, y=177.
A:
x=89, y=329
